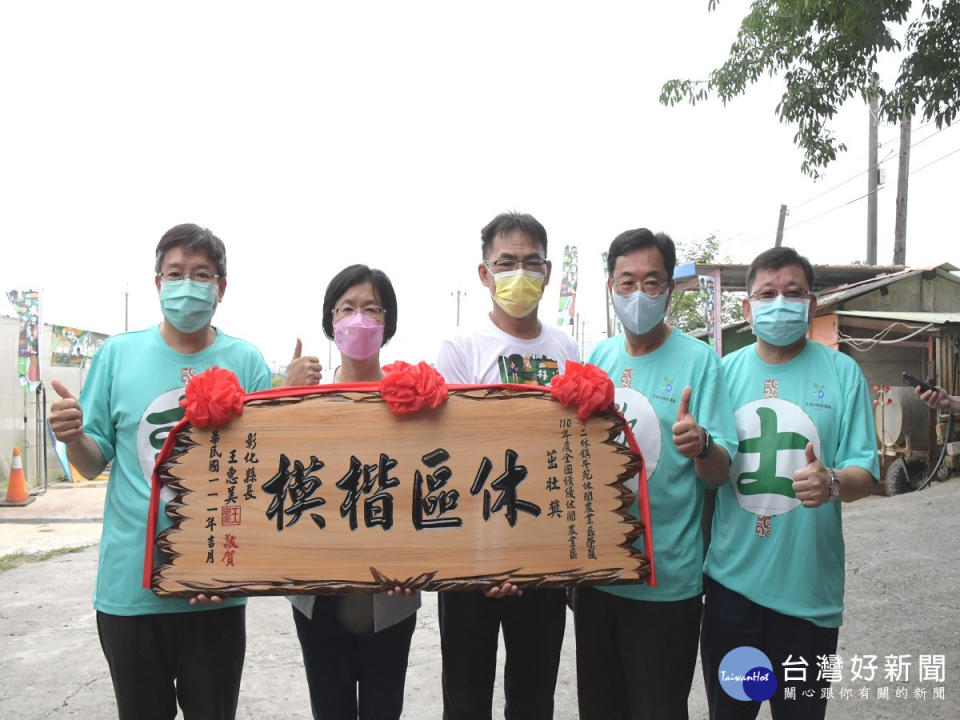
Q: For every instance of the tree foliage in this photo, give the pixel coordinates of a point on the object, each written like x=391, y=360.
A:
x=827, y=52
x=688, y=309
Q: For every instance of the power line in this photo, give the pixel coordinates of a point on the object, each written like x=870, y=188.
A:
x=913, y=130
x=839, y=185
x=887, y=157
x=861, y=197
x=933, y=162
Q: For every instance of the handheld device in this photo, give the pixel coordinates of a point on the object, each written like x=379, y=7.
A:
x=917, y=382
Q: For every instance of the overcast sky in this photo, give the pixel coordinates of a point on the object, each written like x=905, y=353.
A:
x=310, y=136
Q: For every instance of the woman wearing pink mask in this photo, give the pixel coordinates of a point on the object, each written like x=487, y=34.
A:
x=354, y=646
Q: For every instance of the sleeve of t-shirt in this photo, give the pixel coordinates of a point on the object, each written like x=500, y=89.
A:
x=259, y=376
x=452, y=364
x=95, y=401
x=711, y=406
x=593, y=355
x=857, y=445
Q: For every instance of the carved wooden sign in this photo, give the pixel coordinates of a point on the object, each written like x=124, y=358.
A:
x=326, y=490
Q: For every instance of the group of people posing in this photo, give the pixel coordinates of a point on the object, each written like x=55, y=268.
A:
x=782, y=428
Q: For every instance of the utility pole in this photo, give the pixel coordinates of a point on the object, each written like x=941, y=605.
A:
x=780, y=222
x=126, y=308
x=872, y=176
x=458, y=293
x=606, y=306
x=903, y=173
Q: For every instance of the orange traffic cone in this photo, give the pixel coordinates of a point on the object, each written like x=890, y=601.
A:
x=17, y=487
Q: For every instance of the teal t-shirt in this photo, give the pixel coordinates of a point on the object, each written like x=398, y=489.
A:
x=131, y=400
x=647, y=392
x=765, y=545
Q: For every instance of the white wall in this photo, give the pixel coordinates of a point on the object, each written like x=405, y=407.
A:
x=14, y=402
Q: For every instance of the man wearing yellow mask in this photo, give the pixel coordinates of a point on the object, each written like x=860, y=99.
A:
x=509, y=345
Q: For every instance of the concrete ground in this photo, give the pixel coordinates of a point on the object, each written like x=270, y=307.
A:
x=903, y=586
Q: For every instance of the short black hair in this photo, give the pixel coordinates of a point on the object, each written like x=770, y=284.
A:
x=776, y=258
x=505, y=222
x=630, y=240
x=357, y=275
x=193, y=238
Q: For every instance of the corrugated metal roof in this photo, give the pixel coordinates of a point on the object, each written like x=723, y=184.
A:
x=920, y=318
x=830, y=280
x=853, y=290
x=733, y=276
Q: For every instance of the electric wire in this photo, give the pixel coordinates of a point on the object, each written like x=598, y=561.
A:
x=867, y=344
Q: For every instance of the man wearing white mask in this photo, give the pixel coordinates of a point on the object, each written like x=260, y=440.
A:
x=637, y=645
x=160, y=651
x=509, y=346
x=775, y=567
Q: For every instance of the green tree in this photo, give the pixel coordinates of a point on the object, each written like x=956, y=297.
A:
x=688, y=309
x=827, y=52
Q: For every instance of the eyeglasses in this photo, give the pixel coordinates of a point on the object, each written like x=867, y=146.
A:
x=508, y=264
x=374, y=312
x=651, y=286
x=794, y=295
x=200, y=276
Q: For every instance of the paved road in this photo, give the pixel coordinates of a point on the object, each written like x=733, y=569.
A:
x=903, y=587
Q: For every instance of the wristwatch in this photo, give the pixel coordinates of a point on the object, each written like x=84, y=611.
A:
x=707, y=443
x=834, y=484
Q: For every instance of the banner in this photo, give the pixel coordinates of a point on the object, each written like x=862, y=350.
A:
x=73, y=347
x=707, y=294
x=328, y=491
x=613, y=322
x=26, y=303
x=568, y=286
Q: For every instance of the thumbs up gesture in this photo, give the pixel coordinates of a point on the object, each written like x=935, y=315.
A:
x=66, y=415
x=811, y=483
x=689, y=437
x=303, y=369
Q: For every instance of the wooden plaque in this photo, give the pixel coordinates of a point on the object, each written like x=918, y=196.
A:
x=328, y=491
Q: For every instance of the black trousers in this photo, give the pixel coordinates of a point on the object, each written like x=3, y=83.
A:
x=156, y=661
x=533, y=635
x=343, y=659
x=730, y=621
x=635, y=659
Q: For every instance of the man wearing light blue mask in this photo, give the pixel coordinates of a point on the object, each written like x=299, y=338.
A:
x=637, y=645
x=160, y=651
x=775, y=566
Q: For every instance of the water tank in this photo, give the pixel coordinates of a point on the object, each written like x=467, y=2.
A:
x=900, y=413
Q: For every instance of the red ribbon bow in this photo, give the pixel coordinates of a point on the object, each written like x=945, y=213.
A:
x=212, y=398
x=586, y=386
x=408, y=388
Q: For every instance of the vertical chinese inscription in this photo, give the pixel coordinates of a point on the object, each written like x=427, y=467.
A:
x=569, y=491
x=553, y=484
x=213, y=467
x=250, y=458
x=587, y=486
